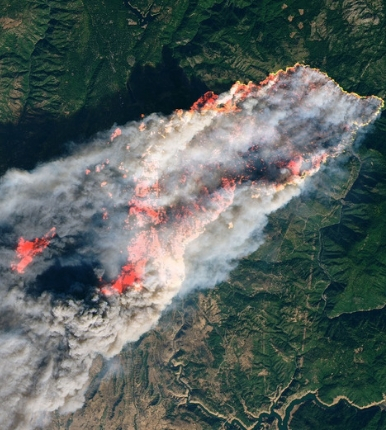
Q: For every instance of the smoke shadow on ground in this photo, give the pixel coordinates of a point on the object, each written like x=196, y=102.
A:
x=66, y=282
x=163, y=88
x=42, y=136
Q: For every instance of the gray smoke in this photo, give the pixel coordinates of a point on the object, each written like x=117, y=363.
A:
x=181, y=197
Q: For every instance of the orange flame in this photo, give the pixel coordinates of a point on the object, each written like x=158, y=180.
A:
x=211, y=102
x=117, y=132
x=295, y=165
x=26, y=250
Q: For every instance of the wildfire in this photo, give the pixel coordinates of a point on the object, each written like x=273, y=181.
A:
x=210, y=101
x=117, y=132
x=26, y=250
x=144, y=212
x=159, y=228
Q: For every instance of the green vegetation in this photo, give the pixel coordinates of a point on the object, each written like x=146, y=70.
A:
x=340, y=417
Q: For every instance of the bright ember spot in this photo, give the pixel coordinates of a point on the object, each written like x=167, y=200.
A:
x=27, y=249
x=238, y=93
x=130, y=276
x=295, y=165
x=117, y=132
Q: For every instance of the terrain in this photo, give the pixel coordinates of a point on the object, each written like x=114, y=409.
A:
x=297, y=334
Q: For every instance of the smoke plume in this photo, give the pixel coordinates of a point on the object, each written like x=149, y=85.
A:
x=95, y=246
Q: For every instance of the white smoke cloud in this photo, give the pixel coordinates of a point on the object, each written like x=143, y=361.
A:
x=166, y=205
